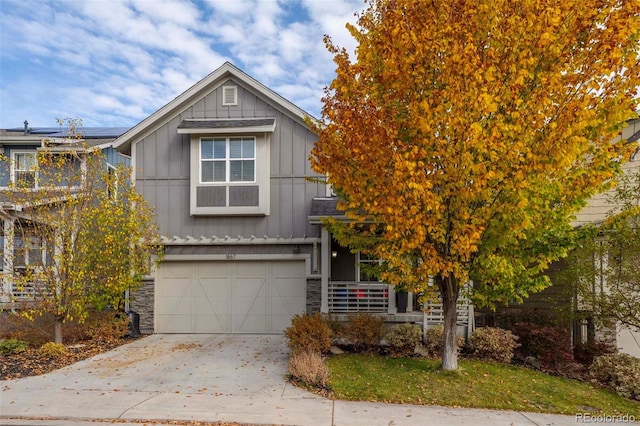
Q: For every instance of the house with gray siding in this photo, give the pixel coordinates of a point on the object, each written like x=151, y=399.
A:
x=20, y=170
x=226, y=167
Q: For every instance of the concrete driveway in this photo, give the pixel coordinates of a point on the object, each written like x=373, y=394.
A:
x=209, y=378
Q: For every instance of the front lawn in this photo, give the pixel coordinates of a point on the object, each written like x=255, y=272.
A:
x=475, y=384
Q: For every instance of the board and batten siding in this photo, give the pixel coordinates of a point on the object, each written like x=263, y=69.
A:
x=598, y=207
x=163, y=173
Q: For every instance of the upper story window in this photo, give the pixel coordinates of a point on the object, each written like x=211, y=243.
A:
x=230, y=166
x=24, y=172
x=228, y=160
x=44, y=169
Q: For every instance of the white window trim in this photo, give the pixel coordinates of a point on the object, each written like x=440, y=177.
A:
x=227, y=160
x=262, y=179
x=13, y=168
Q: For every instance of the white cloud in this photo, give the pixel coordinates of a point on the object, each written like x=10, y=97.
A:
x=120, y=60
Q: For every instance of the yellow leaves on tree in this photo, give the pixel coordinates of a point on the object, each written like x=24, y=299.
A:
x=91, y=233
x=473, y=130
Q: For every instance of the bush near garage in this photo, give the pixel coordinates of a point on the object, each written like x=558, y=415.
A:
x=364, y=332
x=308, y=367
x=308, y=332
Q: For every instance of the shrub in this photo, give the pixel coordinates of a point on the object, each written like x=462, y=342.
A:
x=12, y=346
x=104, y=325
x=53, y=350
x=364, y=332
x=336, y=326
x=620, y=372
x=309, y=368
x=550, y=344
x=433, y=340
x=308, y=333
x=403, y=338
x=35, y=332
x=585, y=353
x=495, y=344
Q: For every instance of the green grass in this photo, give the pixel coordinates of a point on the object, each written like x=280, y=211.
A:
x=475, y=384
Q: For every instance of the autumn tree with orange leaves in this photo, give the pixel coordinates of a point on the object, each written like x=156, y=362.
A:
x=465, y=135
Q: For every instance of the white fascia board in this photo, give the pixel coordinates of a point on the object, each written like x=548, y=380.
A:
x=240, y=240
x=228, y=130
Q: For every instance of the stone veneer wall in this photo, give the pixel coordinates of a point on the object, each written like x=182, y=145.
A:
x=314, y=295
x=142, y=303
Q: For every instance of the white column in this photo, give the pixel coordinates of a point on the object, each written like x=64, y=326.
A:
x=391, y=307
x=325, y=256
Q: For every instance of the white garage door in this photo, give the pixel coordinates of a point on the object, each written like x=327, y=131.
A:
x=228, y=296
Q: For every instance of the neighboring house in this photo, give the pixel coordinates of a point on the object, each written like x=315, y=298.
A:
x=19, y=150
x=226, y=167
x=627, y=341
x=560, y=298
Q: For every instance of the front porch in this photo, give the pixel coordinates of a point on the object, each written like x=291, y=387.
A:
x=346, y=289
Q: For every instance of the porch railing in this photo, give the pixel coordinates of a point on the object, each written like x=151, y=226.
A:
x=349, y=296
x=27, y=291
x=435, y=314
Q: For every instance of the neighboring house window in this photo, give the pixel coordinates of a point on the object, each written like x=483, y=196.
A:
x=227, y=160
x=24, y=169
x=27, y=251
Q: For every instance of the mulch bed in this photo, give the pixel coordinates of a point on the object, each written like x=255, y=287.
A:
x=32, y=363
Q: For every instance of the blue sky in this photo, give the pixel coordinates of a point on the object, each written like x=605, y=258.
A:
x=115, y=62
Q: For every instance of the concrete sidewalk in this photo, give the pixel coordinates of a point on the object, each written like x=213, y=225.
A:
x=210, y=378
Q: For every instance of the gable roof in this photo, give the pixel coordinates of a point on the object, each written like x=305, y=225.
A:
x=198, y=91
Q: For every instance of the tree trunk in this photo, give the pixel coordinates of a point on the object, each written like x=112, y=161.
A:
x=57, y=328
x=449, y=291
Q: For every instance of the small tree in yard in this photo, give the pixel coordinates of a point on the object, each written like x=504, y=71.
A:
x=88, y=234
x=467, y=133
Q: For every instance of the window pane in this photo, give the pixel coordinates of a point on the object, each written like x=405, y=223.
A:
x=241, y=147
x=220, y=149
x=207, y=171
x=25, y=161
x=248, y=148
x=219, y=171
x=235, y=148
x=206, y=149
x=242, y=171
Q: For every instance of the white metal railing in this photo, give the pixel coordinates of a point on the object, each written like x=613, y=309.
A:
x=351, y=296
x=434, y=313
x=26, y=291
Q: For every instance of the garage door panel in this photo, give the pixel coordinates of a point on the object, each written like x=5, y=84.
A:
x=174, y=323
x=253, y=324
x=211, y=323
x=229, y=296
